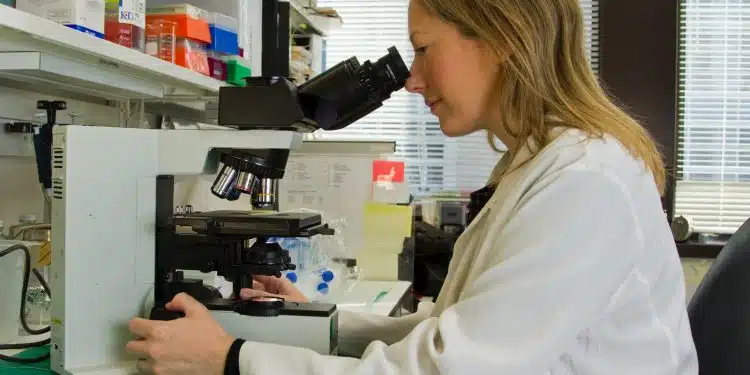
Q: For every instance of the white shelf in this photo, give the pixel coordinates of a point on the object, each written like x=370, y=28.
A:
x=319, y=24
x=36, y=50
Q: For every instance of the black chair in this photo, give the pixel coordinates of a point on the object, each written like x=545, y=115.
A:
x=719, y=310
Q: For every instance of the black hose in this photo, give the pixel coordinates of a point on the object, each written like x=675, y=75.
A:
x=27, y=272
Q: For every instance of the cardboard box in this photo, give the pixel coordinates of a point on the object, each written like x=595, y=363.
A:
x=83, y=15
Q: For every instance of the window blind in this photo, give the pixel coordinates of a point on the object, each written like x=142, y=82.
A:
x=713, y=181
x=434, y=163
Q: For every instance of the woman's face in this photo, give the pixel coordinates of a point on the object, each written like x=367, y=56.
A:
x=456, y=75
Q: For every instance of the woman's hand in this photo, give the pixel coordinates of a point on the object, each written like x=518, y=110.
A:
x=271, y=286
x=195, y=344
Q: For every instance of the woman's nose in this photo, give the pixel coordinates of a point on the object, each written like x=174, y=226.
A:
x=415, y=83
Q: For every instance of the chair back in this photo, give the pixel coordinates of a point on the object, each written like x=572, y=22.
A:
x=719, y=311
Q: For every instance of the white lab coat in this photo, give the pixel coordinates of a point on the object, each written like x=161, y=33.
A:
x=570, y=268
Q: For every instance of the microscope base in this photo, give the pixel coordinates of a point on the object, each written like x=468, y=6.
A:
x=307, y=325
x=299, y=325
x=315, y=332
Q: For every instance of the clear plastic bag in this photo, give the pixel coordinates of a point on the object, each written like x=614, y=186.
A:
x=322, y=270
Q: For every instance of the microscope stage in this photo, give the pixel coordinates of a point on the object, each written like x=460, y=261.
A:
x=254, y=223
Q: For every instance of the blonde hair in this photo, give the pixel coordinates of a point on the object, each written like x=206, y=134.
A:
x=546, y=72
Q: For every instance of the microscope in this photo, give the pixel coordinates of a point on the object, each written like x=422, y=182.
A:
x=120, y=247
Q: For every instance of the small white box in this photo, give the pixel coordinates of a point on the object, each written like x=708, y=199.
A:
x=83, y=15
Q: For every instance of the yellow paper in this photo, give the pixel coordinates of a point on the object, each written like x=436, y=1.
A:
x=387, y=219
x=385, y=227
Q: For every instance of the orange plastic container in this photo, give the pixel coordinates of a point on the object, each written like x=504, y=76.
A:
x=193, y=55
x=191, y=22
x=161, y=41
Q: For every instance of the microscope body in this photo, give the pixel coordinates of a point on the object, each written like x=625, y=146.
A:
x=108, y=235
x=119, y=246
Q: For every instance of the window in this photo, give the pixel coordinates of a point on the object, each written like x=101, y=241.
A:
x=434, y=162
x=713, y=181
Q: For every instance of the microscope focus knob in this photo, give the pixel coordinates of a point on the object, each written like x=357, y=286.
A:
x=261, y=306
x=161, y=313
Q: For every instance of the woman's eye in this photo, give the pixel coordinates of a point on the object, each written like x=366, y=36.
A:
x=420, y=50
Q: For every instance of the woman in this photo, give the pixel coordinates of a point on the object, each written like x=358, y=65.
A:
x=570, y=268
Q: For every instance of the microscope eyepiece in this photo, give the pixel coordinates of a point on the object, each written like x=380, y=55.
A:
x=390, y=73
x=332, y=100
x=349, y=90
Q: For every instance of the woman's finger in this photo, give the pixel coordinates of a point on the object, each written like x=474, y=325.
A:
x=271, y=284
x=143, y=327
x=259, y=286
x=183, y=302
x=137, y=347
x=252, y=293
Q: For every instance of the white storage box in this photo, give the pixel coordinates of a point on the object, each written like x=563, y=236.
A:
x=83, y=15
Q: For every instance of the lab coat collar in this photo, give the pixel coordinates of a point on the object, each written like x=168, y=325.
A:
x=510, y=163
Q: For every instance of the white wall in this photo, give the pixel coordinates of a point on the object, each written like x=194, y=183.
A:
x=20, y=192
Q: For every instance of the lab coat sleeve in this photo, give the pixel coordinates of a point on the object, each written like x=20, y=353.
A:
x=357, y=330
x=550, y=272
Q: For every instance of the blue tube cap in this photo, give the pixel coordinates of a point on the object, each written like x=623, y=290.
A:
x=327, y=276
x=292, y=277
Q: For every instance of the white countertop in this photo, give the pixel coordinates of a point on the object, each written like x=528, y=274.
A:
x=377, y=297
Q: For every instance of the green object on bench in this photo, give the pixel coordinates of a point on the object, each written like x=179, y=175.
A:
x=37, y=368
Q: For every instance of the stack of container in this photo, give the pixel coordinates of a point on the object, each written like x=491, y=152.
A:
x=192, y=35
x=181, y=33
x=223, y=43
x=224, y=52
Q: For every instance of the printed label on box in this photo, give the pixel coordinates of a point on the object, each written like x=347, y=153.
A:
x=133, y=12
